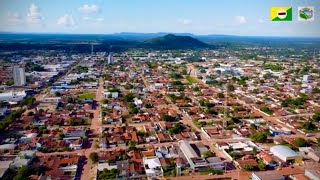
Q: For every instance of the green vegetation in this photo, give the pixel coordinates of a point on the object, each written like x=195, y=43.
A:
x=81, y=69
x=177, y=83
x=114, y=89
x=230, y=88
x=177, y=128
x=316, y=116
x=9, y=119
x=234, y=155
x=309, y=126
x=191, y=80
x=259, y=137
x=300, y=142
x=94, y=157
x=31, y=66
x=206, y=104
x=167, y=118
x=266, y=110
x=207, y=154
x=128, y=98
x=108, y=174
x=175, y=75
x=87, y=95
x=28, y=101
x=213, y=171
x=201, y=124
x=250, y=167
x=104, y=101
x=25, y=171
x=10, y=82
x=261, y=165
x=273, y=67
x=220, y=95
x=295, y=102
x=171, y=41
x=152, y=65
x=241, y=81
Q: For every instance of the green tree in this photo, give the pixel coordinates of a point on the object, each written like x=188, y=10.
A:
x=10, y=82
x=230, y=88
x=309, y=126
x=249, y=167
x=220, y=95
x=94, y=157
x=300, y=142
x=258, y=137
x=316, y=116
x=262, y=166
x=108, y=174
x=177, y=128
x=166, y=117
x=254, y=151
x=207, y=154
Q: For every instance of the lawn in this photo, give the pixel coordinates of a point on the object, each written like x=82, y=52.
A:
x=191, y=79
x=87, y=95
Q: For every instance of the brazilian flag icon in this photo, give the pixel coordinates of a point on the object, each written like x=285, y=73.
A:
x=281, y=14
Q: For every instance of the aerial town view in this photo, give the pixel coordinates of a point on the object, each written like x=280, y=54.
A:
x=175, y=90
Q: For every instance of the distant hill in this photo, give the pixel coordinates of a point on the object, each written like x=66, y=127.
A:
x=171, y=41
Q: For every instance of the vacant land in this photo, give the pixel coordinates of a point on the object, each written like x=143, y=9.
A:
x=87, y=95
x=191, y=80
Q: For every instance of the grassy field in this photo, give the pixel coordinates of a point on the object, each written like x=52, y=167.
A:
x=87, y=95
x=191, y=80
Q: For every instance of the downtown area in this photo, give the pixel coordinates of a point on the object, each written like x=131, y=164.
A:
x=186, y=112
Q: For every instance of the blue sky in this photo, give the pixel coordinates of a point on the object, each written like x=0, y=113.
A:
x=230, y=17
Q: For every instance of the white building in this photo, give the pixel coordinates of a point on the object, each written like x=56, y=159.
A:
x=152, y=166
x=110, y=58
x=19, y=76
x=12, y=97
x=196, y=162
x=265, y=175
x=286, y=154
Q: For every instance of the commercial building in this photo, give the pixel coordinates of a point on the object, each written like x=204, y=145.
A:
x=286, y=154
x=267, y=175
x=110, y=58
x=196, y=162
x=19, y=76
x=12, y=97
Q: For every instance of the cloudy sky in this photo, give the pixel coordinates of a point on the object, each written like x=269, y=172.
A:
x=232, y=17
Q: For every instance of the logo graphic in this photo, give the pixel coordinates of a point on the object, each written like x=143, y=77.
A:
x=281, y=14
x=306, y=14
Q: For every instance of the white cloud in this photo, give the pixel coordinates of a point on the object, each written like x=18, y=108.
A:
x=13, y=18
x=185, y=21
x=66, y=20
x=87, y=8
x=240, y=20
x=86, y=18
x=34, y=15
x=100, y=19
x=261, y=20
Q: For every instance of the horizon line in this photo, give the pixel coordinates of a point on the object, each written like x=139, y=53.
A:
x=146, y=33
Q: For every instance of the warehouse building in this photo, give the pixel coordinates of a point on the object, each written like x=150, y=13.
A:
x=196, y=162
x=286, y=154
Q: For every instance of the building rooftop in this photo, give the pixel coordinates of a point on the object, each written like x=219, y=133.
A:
x=283, y=151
